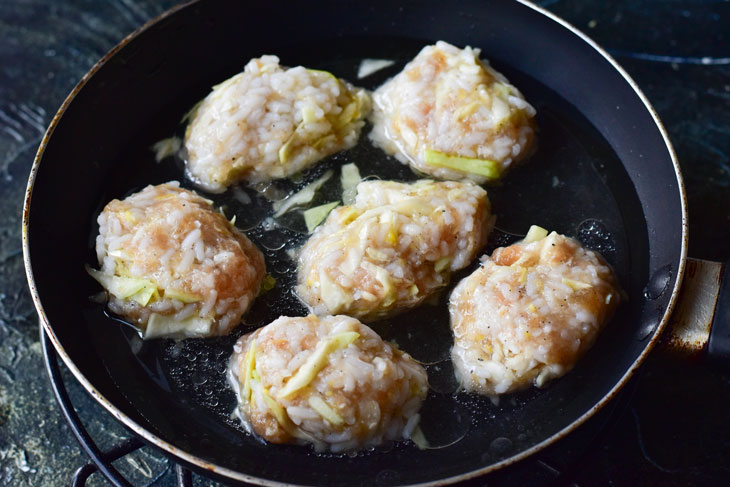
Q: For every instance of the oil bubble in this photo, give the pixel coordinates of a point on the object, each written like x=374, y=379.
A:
x=199, y=379
x=500, y=447
x=444, y=421
x=441, y=377
x=385, y=447
x=595, y=235
x=176, y=349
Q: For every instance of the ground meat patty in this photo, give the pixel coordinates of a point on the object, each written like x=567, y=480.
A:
x=393, y=248
x=450, y=115
x=331, y=382
x=529, y=313
x=174, y=266
x=269, y=122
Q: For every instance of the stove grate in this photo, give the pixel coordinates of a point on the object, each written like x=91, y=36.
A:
x=101, y=461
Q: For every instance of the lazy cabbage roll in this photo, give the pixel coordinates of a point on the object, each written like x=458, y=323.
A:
x=450, y=115
x=529, y=313
x=394, y=247
x=269, y=122
x=174, y=266
x=331, y=382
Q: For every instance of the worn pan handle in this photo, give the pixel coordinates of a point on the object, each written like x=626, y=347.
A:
x=700, y=326
x=719, y=343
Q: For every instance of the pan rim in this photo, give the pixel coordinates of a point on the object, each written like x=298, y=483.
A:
x=224, y=472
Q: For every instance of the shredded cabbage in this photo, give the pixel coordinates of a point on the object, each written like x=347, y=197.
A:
x=442, y=264
x=326, y=411
x=575, y=285
x=482, y=167
x=182, y=296
x=333, y=295
x=166, y=147
x=350, y=178
x=301, y=197
x=370, y=66
x=316, y=362
x=267, y=284
x=134, y=288
x=420, y=439
x=162, y=325
x=287, y=149
x=534, y=234
x=314, y=216
x=250, y=367
x=190, y=114
x=279, y=413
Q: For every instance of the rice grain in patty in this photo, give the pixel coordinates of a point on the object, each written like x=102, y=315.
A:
x=174, y=266
x=450, y=115
x=529, y=313
x=269, y=122
x=331, y=382
x=393, y=248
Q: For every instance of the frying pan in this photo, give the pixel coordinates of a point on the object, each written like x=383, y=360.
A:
x=604, y=172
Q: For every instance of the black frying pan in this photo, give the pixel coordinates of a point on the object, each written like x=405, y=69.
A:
x=604, y=172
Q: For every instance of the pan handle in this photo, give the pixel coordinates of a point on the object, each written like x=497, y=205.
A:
x=718, y=348
x=700, y=325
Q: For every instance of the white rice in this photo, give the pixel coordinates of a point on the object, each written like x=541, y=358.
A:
x=200, y=265
x=393, y=248
x=373, y=390
x=269, y=122
x=529, y=313
x=448, y=100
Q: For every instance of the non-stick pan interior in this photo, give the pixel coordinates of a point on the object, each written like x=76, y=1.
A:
x=601, y=174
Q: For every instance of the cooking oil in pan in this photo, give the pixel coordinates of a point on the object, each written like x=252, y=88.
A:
x=560, y=188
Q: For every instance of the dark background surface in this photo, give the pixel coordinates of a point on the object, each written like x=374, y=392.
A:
x=673, y=430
